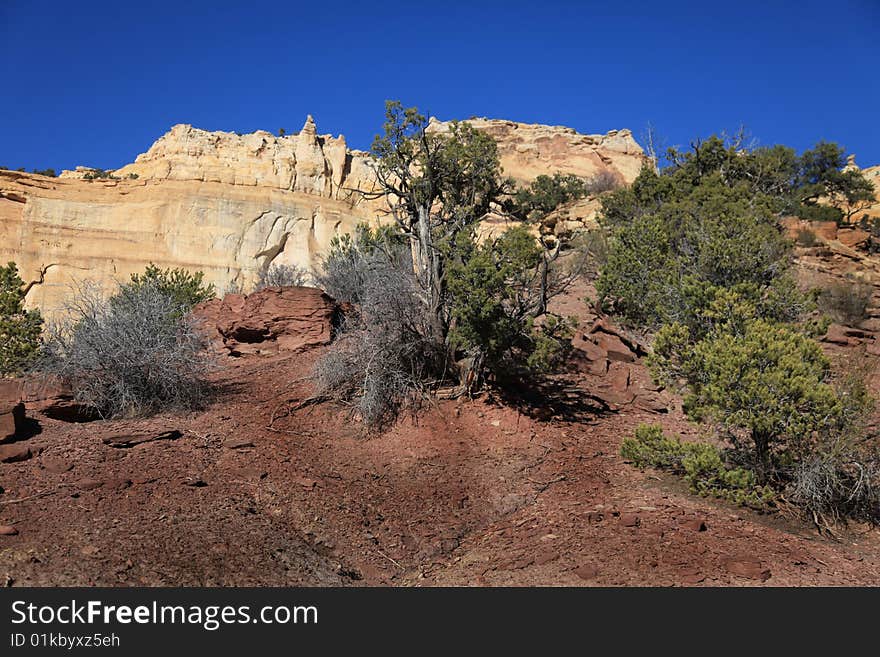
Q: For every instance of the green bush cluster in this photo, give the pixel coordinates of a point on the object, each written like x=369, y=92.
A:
x=546, y=193
x=701, y=465
x=697, y=256
x=184, y=288
x=491, y=288
x=20, y=329
x=712, y=216
x=99, y=174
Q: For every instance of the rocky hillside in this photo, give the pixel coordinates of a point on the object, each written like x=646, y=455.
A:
x=228, y=204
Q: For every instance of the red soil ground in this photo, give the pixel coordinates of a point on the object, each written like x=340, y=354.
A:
x=472, y=492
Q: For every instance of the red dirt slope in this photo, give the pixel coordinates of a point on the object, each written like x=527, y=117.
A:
x=473, y=492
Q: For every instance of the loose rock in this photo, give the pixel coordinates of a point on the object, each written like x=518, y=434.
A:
x=748, y=568
x=14, y=453
x=586, y=572
x=130, y=440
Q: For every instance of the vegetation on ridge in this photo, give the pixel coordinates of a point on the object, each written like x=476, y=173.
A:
x=698, y=258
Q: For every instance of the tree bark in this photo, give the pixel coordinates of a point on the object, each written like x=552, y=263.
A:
x=763, y=464
x=427, y=261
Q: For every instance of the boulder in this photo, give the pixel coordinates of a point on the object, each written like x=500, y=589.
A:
x=587, y=571
x=614, y=347
x=14, y=453
x=652, y=401
x=603, y=326
x=836, y=334
x=591, y=351
x=270, y=320
x=53, y=399
x=618, y=376
x=852, y=237
x=11, y=410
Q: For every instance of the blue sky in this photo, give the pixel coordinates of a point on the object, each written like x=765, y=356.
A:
x=97, y=82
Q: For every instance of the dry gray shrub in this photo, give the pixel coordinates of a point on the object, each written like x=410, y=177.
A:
x=839, y=477
x=602, y=182
x=280, y=275
x=128, y=355
x=847, y=301
x=831, y=487
x=381, y=363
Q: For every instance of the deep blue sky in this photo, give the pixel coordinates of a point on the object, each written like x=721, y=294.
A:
x=97, y=82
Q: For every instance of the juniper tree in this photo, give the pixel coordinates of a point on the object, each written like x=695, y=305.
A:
x=439, y=184
x=766, y=386
x=20, y=328
x=184, y=288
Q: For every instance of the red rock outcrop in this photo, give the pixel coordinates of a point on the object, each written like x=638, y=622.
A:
x=271, y=320
x=11, y=410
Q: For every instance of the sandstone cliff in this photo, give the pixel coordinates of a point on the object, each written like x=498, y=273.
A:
x=529, y=150
x=873, y=175
x=228, y=204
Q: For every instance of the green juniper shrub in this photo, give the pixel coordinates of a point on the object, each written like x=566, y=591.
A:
x=98, y=174
x=550, y=343
x=714, y=234
x=821, y=176
x=696, y=255
x=545, y=194
x=701, y=465
x=20, y=329
x=651, y=448
x=713, y=214
x=708, y=475
x=766, y=389
x=186, y=289
x=493, y=295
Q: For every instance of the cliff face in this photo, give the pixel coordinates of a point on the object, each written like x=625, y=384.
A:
x=529, y=150
x=873, y=175
x=229, y=204
x=319, y=165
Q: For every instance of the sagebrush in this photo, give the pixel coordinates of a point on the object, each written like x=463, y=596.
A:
x=281, y=275
x=132, y=354
x=847, y=301
x=382, y=361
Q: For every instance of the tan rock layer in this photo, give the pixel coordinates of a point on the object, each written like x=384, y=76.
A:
x=227, y=204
